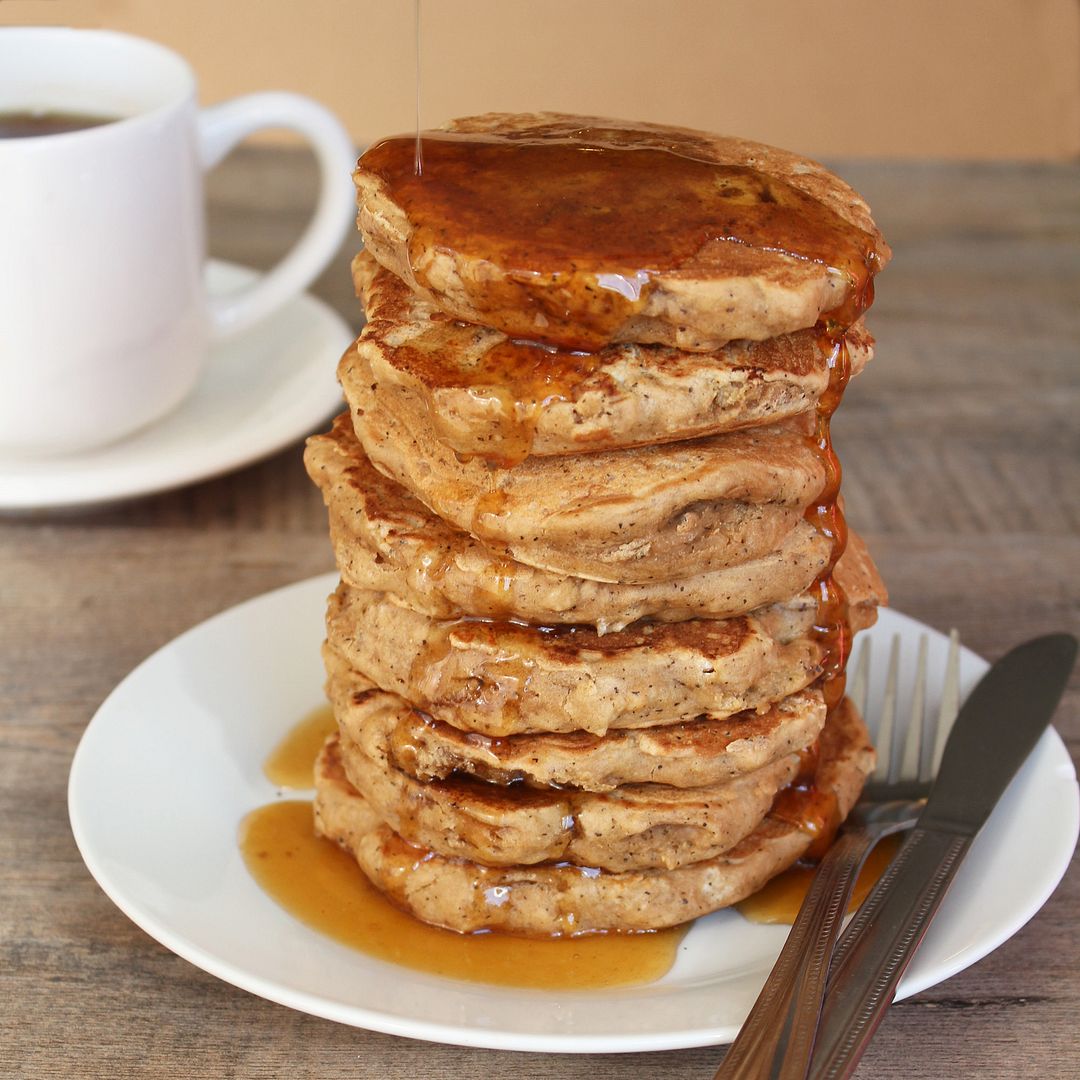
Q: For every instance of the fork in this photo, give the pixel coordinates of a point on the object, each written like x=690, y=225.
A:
x=777, y=1039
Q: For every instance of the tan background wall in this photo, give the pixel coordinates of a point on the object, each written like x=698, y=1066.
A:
x=948, y=78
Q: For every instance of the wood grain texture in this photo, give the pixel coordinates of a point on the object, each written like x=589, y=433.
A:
x=960, y=446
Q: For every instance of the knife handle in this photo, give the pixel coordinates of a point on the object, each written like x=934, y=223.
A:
x=868, y=965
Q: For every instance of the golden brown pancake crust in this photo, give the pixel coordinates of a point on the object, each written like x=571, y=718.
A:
x=651, y=513
x=633, y=826
x=502, y=678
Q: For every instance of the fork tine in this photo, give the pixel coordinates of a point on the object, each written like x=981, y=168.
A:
x=950, y=696
x=860, y=684
x=890, y=730
x=916, y=748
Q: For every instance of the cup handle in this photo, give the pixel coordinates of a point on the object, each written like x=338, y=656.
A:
x=220, y=128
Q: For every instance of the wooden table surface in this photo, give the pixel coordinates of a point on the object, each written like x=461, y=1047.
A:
x=960, y=450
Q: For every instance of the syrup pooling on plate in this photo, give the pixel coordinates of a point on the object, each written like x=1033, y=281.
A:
x=316, y=882
x=580, y=220
x=291, y=761
x=323, y=887
x=779, y=901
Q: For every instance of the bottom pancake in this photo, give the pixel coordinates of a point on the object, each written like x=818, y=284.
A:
x=556, y=899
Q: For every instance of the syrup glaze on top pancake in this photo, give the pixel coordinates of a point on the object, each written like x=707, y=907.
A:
x=578, y=231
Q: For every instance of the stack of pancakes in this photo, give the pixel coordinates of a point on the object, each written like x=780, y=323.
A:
x=586, y=656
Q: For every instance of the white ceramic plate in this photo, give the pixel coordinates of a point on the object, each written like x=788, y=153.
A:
x=173, y=760
x=262, y=390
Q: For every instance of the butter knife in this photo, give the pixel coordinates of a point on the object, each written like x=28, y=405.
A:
x=996, y=729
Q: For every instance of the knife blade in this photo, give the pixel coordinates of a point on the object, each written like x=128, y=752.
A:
x=996, y=729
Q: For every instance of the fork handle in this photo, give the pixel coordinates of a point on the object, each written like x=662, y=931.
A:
x=878, y=945
x=777, y=1039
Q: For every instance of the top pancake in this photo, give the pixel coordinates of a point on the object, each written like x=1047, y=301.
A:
x=581, y=232
x=492, y=397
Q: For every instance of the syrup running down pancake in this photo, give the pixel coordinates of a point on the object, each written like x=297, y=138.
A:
x=386, y=540
x=501, y=399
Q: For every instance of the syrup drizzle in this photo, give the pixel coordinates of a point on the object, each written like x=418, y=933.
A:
x=518, y=379
x=418, y=156
x=811, y=808
x=831, y=625
x=502, y=688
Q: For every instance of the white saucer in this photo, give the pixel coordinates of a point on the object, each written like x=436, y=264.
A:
x=173, y=761
x=261, y=391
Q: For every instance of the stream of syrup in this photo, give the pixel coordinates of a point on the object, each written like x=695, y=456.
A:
x=418, y=157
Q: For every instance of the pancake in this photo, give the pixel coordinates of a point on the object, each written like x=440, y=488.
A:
x=386, y=540
x=491, y=397
x=651, y=513
x=566, y=899
x=657, y=234
x=502, y=678
x=632, y=827
x=705, y=750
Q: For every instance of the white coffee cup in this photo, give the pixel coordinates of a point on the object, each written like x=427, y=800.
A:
x=105, y=324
